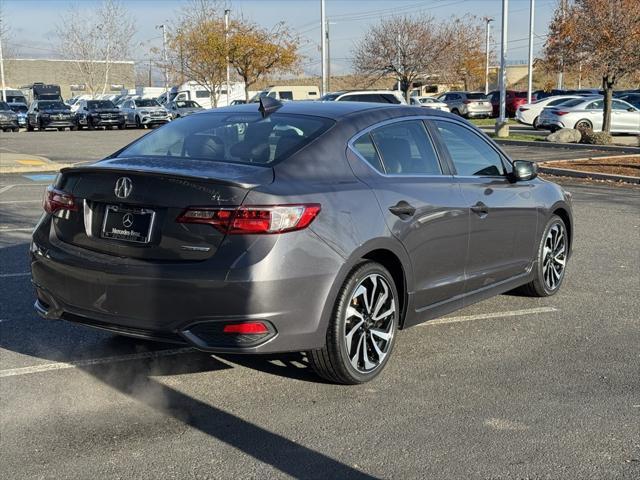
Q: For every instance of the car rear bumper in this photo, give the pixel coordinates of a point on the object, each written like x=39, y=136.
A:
x=8, y=124
x=189, y=302
x=478, y=113
x=154, y=120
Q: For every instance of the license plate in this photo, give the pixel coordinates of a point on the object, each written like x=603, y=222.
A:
x=128, y=224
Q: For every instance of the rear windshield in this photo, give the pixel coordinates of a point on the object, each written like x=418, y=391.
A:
x=100, y=104
x=4, y=106
x=18, y=107
x=187, y=104
x=52, y=106
x=476, y=96
x=147, y=102
x=572, y=103
x=224, y=137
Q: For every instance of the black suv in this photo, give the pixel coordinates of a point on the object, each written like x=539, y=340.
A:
x=45, y=114
x=8, y=118
x=98, y=113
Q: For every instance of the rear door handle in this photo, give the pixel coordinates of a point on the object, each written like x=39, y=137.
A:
x=403, y=209
x=481, y=209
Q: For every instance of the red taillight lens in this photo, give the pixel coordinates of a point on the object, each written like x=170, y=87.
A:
x=246, y=328
x=254, y=220
x=55, y=200
x=467, y=102
x=560, y=112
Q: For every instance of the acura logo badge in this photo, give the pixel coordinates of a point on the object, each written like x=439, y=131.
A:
x=123, y=187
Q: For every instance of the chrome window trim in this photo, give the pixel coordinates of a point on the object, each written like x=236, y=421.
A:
x=367, y=131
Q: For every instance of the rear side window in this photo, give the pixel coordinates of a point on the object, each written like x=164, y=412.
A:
x=225, y=137
x=201, y=94
x=597, y=105
x=470, y=153
x=286, y=95
x=364, y=146
x=406, y=149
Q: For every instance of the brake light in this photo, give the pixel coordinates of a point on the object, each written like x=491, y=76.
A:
x=254, y=219
x=55, y=200
x=560, y=112
x=246, y=328
x=467, y=102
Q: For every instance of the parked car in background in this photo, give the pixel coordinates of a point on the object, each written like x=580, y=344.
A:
x=309, y=226
x=587, y=112
x=529, y=113
x=43, y=114
x=99, y=113
x=540, y=94
x=373, y=96
x=289, y=92
x=468, y=104
x=8, y=118
x=238, y=102
x=20, y=109
x=144, y=112
x=429, y=102
x=199, y=93
x=13, y=95
x=632, y=98
x=182, y=108
x=513, y=100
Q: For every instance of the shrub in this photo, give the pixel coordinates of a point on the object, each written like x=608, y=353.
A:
x=596, y=138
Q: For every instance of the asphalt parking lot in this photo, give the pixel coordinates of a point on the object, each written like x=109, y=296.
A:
x=510, y=388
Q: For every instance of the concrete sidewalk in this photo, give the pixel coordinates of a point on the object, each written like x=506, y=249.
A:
x=21, y=163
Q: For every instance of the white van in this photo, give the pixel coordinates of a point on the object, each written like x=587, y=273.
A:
x=289, y=92
x=195, y=91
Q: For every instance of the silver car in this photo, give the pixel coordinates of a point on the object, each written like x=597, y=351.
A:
x=182, y=108
x=468, y=104
x=429, y=102
x=144, y=112
x=587, y=113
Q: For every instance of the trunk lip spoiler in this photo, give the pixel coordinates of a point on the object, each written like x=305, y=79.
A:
x=203, y=175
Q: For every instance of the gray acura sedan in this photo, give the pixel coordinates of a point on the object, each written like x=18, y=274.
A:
x=306, y=226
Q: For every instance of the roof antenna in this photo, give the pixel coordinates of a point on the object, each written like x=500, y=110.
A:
x=268, y=105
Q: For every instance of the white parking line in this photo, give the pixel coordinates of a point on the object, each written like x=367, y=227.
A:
x=10, y=275
x=26, y=229
x=6, y=187
x=484, y=316
x=15, y=372
x=10, y=202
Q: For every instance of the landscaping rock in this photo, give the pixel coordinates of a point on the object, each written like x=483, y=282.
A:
x=565, y=135
x=596, y=138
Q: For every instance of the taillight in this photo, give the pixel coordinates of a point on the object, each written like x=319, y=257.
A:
x=253, y=219
x=55, y=200
x=560, y=112
x=467, y=102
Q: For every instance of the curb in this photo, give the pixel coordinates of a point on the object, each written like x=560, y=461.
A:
x=570, y=146
x=562, y=172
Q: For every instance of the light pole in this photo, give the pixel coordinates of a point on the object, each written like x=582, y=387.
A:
x=323, y=47
x=164, y=56
x=486, y=61
x=502, y=129
x=226, y=47
x=530, y=72
x=4, y=93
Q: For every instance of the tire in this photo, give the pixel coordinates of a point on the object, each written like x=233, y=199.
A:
x=61, y=129
x=17, y=129
x=29, y=127
x=583, y=125
x=535, y=123
x=455, y=111
x=90, y=125
x=545, y=283
x=73, y=129
x=121, y=126
x=342, y=359
x=138, y=122
x=40, y=127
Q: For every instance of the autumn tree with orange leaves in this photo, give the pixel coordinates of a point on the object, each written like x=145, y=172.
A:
x=602, y=36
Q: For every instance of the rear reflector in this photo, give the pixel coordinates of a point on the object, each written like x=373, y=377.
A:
x=255, y=219
x=560, y=113
x=246, y=328
x=55, y=200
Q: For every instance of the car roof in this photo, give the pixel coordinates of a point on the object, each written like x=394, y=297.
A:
x=332, y=110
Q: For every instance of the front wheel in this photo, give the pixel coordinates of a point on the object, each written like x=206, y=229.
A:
x=551, y=260
x=361, y=332
x=536, y=123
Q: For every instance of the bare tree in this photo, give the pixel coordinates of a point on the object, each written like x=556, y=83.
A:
x=405, y=47
x=94, y=39
x=465, y=54
x=602, y=36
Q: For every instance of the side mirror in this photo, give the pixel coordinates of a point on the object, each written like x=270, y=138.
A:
x=524, y=170
x=631, y=109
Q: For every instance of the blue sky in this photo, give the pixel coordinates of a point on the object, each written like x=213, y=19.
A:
x=32, y=22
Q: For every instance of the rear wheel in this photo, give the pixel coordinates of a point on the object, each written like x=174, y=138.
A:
x=551, y=261
x=138, y=122
x=536, y=123
x=361, y=332
x=90, y=125
x=583, y=125
x=455, y=111
x=29, y=127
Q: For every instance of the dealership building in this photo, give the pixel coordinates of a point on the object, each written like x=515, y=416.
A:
x=22, y=72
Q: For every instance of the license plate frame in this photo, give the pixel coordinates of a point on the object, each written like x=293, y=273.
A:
x=128, y=233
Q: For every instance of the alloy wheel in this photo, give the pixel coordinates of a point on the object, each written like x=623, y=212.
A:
x=554, y=256
x=369, y=325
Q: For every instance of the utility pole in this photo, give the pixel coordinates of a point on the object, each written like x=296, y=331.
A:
x=4, y=93
x=164, y=56
x=530, y=72
x=486, y=61
x=323, y=47
x=328, y=56
x=226, y=47
x=502, y=129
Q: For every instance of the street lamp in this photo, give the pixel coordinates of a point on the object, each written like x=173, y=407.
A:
x=530, y=69
x=164, y=56
x=502, y=129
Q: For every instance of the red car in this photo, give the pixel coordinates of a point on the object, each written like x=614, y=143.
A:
x=514, y=100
